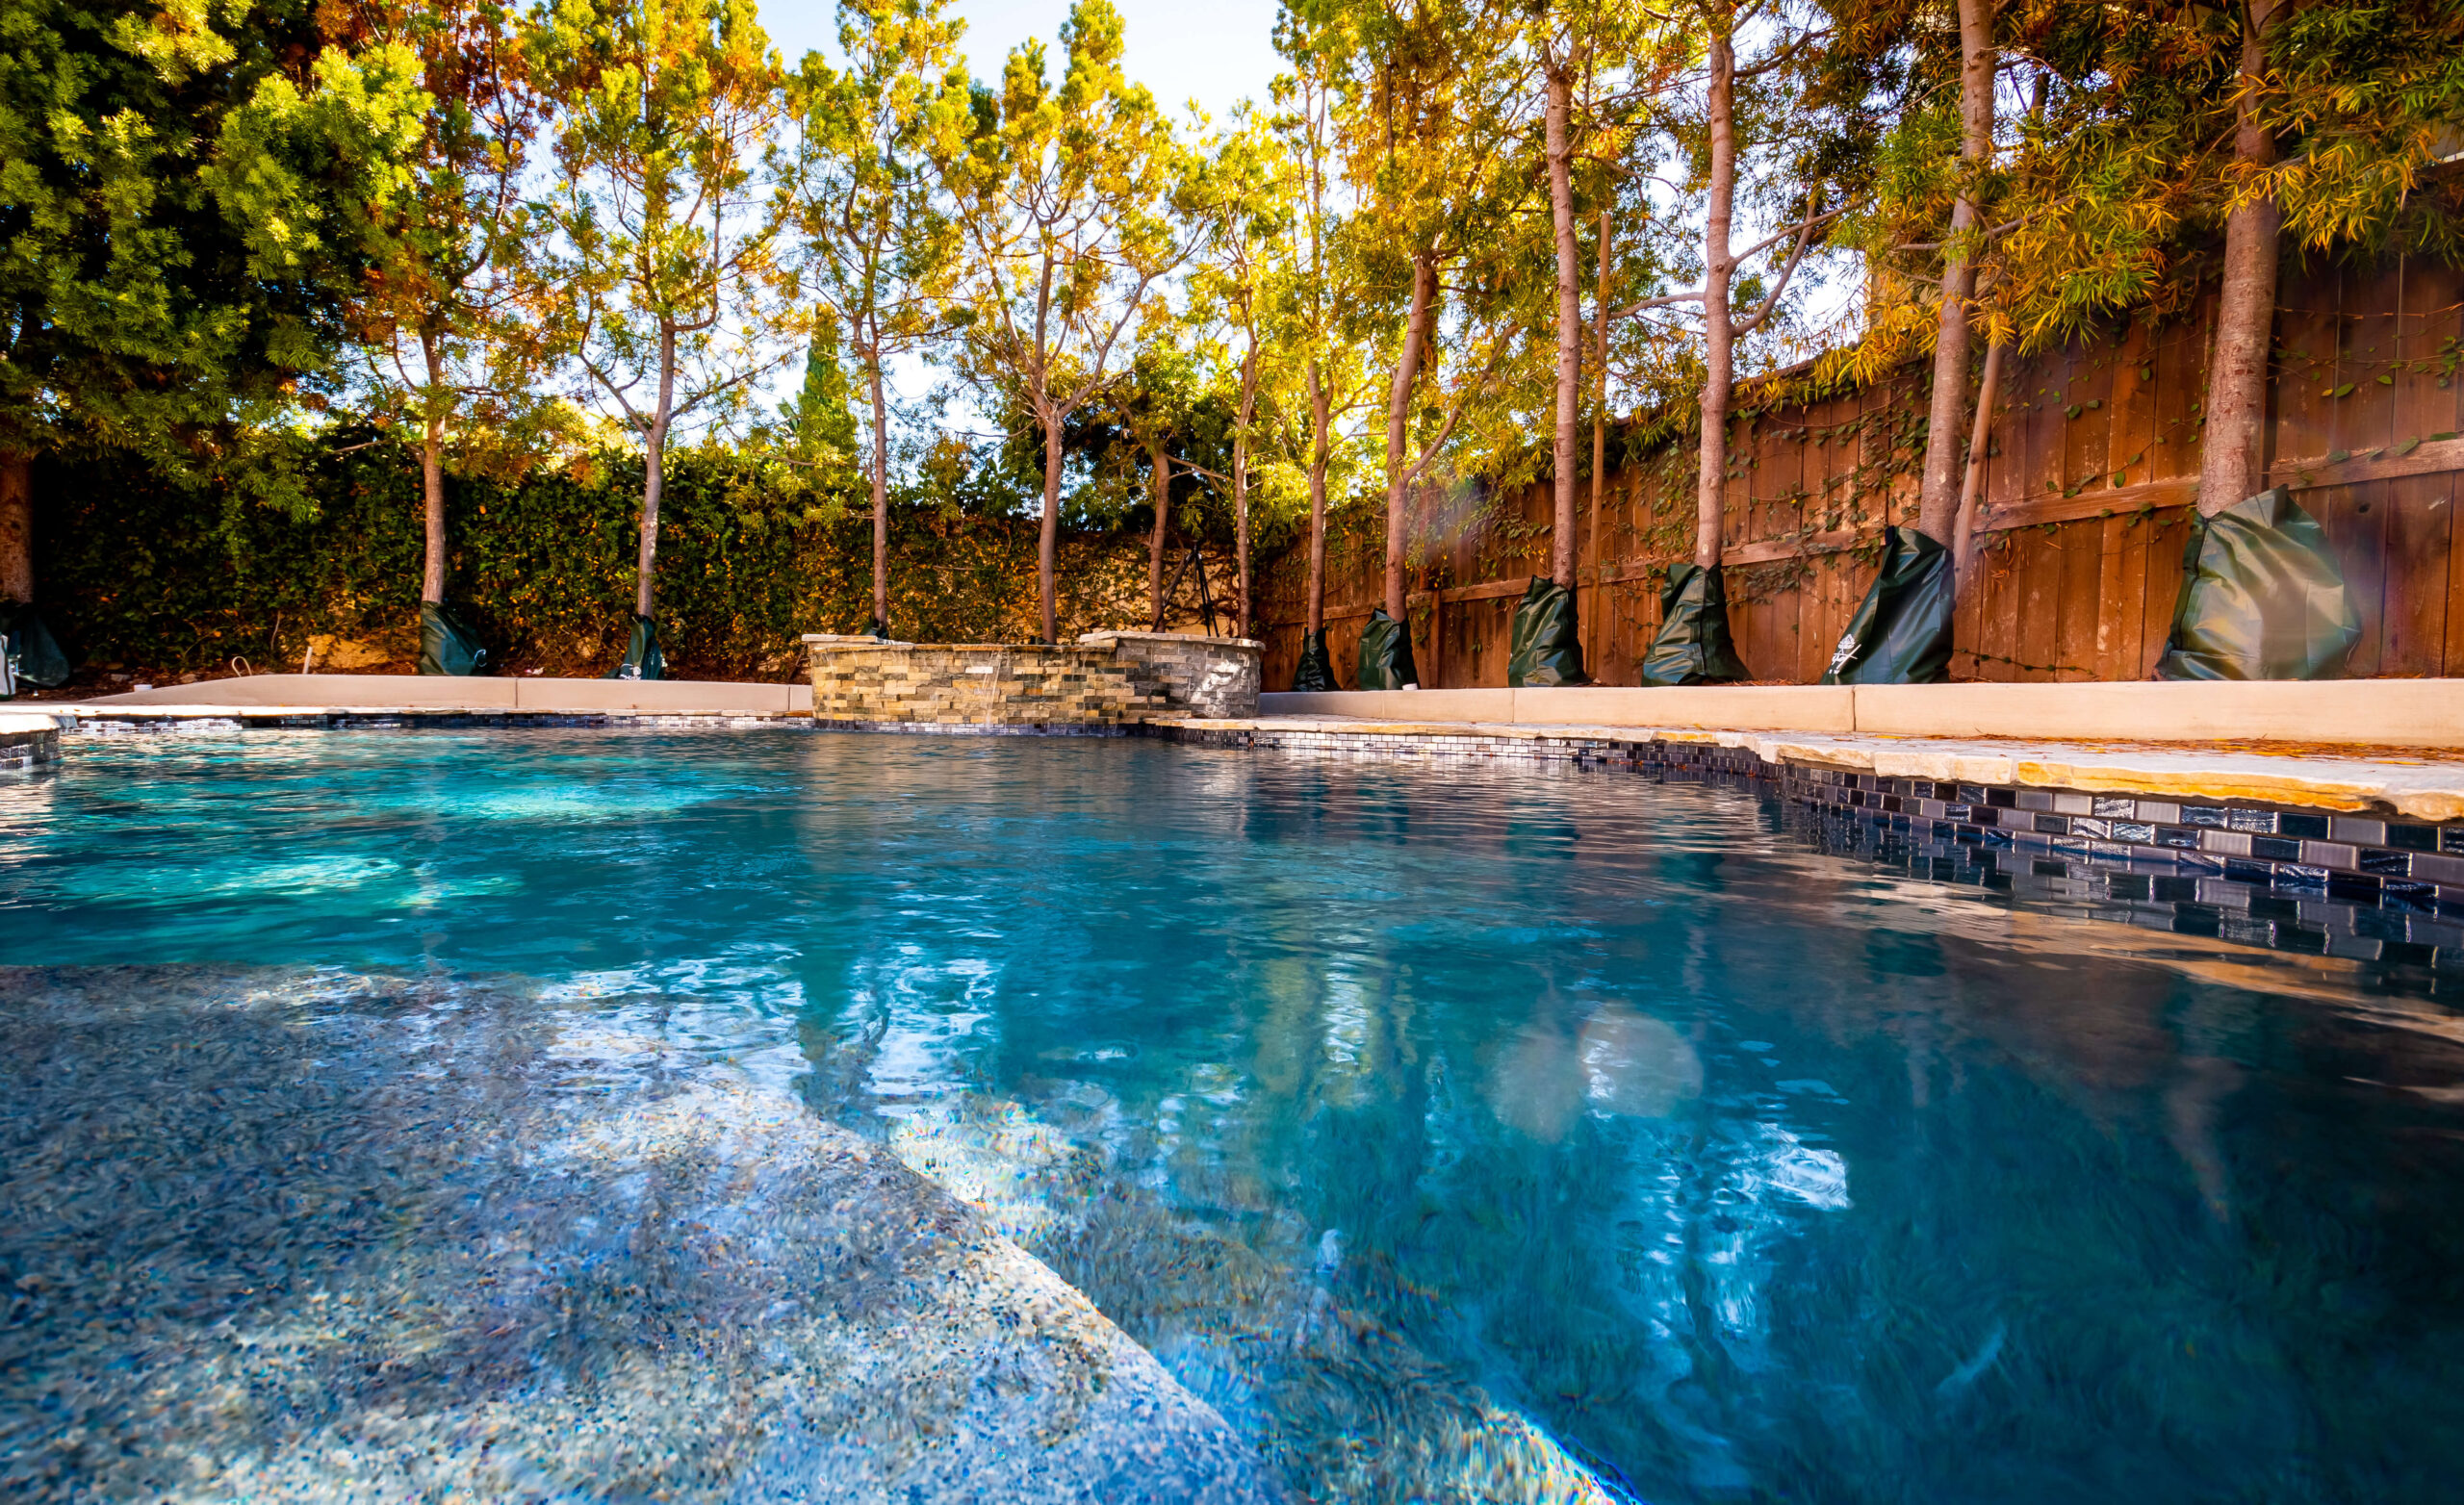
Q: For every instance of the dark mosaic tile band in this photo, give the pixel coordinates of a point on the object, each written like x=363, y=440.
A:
x=2373, y=889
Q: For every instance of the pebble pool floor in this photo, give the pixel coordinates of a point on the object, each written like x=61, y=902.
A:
x=1442, y=1133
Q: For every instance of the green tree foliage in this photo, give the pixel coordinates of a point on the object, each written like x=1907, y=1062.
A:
x=1252, y=184
x=440, y=311
x=1064, y=196
x=818, y=415
x=204, y=203
x=1756, y=140
x=2173, y=146
x=1324, y=326
x=877, y=241
x=1427, y=112
x=663, y=285
x=182, y=189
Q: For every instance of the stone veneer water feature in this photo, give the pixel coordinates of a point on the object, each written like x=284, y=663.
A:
x=1105, y=682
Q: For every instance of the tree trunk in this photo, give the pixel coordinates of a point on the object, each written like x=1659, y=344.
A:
x=1241, y=482
x=880, y=493
x=1972, y=486
x=1049, y=531
x=1600, y=389
x=16, y=527
x=655, y=472
x=432, y=470
x=2230, y=467
x=1321, y=420
x=1937, y=498
x=1719, y=342
x=1561, y=216
x=1600, y=427
x=1161, y=485
x=1399, y=414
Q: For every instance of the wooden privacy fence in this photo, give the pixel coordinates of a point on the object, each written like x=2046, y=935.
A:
x=2089, y=475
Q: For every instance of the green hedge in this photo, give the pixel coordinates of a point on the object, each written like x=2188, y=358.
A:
x=135, y=571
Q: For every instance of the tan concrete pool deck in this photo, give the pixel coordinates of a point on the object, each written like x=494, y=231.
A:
x=256, y=696
x=2394, y=713
x=2345, y=745
x=2428, y=788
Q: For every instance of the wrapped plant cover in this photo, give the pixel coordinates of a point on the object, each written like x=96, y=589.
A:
x=2262, y=598
x=448, y=643
x=29, y=654
x=1544, y=647
x=1693, y=646
x=642, y=657
x=1316, y=670
x=1902, y=631
x=1386, y=654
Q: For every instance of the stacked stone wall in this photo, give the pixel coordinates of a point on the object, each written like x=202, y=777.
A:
x=1201, y=675
x=27, y=742
x=1103, y=681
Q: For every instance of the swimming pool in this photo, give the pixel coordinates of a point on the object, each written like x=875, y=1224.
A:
x=1418, y=1121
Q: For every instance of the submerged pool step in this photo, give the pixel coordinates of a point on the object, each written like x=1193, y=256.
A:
x=406, y=1239
x=1347, y=1408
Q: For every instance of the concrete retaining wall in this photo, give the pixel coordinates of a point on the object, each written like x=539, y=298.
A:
x=2424, y=713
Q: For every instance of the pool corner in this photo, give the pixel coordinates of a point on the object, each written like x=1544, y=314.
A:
x=28, y=740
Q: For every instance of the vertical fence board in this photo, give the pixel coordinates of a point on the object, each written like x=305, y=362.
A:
x=2182, y=350
x=2113, y=643
x=2165, y=535
x=2079, y=548
x=2086, y=440
x=2420, y=510
x=2131, y=403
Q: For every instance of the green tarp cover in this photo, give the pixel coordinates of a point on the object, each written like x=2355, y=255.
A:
x=1545, y=649
x=2262, y=598
x=1693, y=646
x=642, y=658
x=1316, y=670
x=1386, y=654
x=30, y=653
x=1902, y=631
x=447, y=646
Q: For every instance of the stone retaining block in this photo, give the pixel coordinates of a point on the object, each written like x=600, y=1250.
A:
x=27, y=741
x=1104, y=680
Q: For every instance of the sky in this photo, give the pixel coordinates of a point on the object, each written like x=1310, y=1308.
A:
x=1216, y=52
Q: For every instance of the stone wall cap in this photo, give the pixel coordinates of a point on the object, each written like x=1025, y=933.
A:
x=826, y=640
x=1093, y=639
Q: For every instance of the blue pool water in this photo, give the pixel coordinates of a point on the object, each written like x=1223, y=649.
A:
x=1361, y=1093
